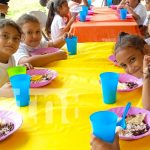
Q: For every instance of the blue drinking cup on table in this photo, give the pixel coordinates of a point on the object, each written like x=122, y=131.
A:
x=85, y=9
x=89, y=2
x=82, y=16
x=108, y=3
x=123, y=13
x=72, y=45
x=104, y=125
x=109, y=82
x=21, y=88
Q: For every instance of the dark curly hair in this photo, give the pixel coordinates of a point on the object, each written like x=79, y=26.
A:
x=53, y=8
x=9, y=22
x=126, y=40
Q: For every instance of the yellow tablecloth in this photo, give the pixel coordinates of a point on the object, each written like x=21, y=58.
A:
x=58, y=116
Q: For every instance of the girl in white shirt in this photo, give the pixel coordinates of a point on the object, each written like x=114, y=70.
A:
x=58, y=21
x=10, y=35
x=135, y=8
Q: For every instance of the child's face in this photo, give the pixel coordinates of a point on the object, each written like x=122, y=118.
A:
x=132, y=61
x=132, y=3
x=31, y=34
x=148, y=5
x=64, y=9
x=9, y=41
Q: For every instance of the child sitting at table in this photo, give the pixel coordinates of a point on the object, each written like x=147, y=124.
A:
x=3, y=8
x=135, y=8
x=10, y=35
x=148, y=30
x=32, y=39
x=58, y=21
x=132, y=54
x=144, y=29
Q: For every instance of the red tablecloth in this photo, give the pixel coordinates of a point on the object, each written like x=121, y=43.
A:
x=104, y=25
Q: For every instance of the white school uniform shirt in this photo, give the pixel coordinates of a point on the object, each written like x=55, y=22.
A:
x=57, y=24
x=25, y=50
x=141, y=11
x=3, y=70
x=147, y=41
x=146, y=20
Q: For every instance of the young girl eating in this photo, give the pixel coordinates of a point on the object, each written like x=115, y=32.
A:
x=58, y=21
x=133, y=55
x=135, y=8
x=10, y=35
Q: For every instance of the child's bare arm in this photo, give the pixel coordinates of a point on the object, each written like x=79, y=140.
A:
x=146, y=83
x=131, y=11
x=60, y=41
x=70, y=22
x=6, y=90
x=42, y=60
x=27, y=65
x=57, y=43
x=121, y=4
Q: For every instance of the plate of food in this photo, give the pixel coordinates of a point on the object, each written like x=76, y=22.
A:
x=9, y=123
x=137, y=121
x=76, y=9
x=41, y=77
x=112, y=58
x=113, y=7
x=128, y=83
x=129, y=16
x=90, y=12
x=42, y=51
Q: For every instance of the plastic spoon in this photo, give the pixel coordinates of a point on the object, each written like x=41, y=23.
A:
x=122, y=122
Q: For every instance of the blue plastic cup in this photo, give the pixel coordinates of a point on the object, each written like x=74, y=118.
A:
x=104, y=125
x=85, y=9
x=108, y=3
x=123, y=14
x=72, y=45
x=89, y=2
x=21, y=88
x=82, y=16
x=109, y=82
